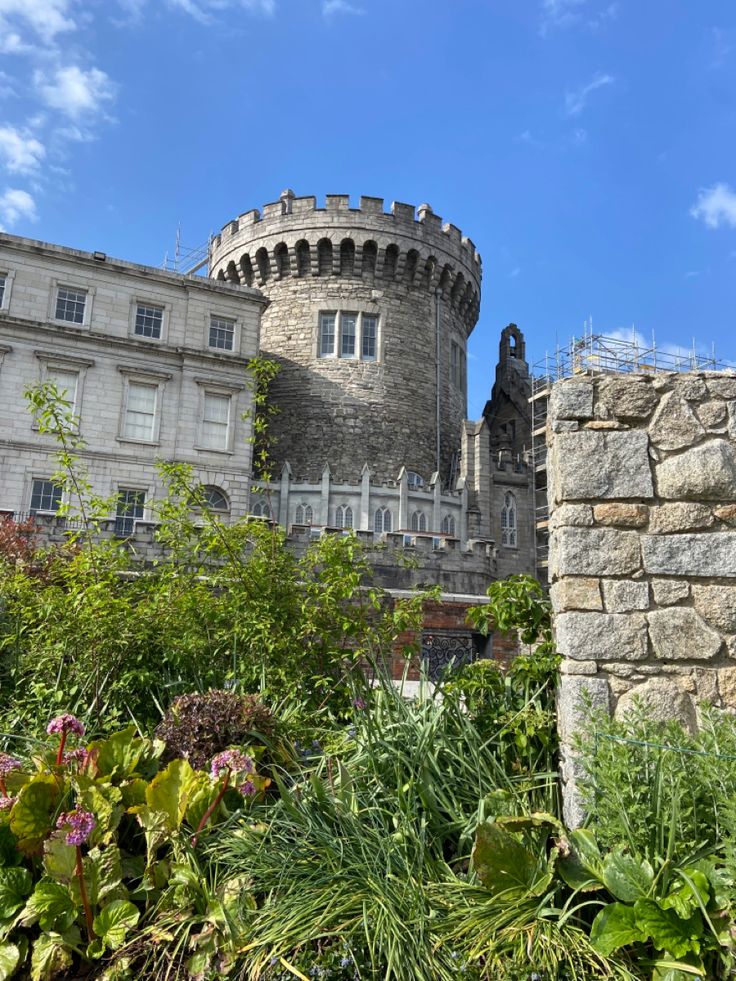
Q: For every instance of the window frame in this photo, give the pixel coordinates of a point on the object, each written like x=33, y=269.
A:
x=40, y=510
x=224, y=318
x=136, y=303
x=153, y=379
x=50, y=361
x=70, y=284
x=458, y=365
x=208, y=387
x=344, y=516
x=8, y=277
x=307, y=515
x=384, y=511
x=344, y=315
x=120, y=490
x=509, y=529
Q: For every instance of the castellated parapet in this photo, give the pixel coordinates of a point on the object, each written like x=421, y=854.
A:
x=394, y=283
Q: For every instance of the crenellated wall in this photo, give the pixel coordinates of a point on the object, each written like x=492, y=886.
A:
x=642, y=478
x=408, y=275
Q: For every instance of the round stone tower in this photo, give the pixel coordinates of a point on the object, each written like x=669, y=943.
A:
x=369, y=318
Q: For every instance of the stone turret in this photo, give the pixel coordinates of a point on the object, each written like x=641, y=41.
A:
x=358, y=300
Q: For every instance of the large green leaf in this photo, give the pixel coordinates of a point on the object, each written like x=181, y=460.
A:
x=51, y=905
x=581, y=863
x=118, y=756
x=201, y=792
x=501, y=861
x=59, y=860
x=105, y=802
x=9, y=854
x=666, y=970
x=49, y=958
x=31, y=818
x=667, y=930
x=9, y=960
x=690, y=893
x=168, y=792
x=614, y=927
x=113, y=922
x=627, y=878
x=528, y=822
x=103, y=874
x=15, y=885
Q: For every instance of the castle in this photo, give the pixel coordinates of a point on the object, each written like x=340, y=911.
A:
x=367, y=313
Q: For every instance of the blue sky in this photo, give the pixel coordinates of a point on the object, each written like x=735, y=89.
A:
x=588, y=147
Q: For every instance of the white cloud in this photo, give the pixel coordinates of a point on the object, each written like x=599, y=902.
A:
x=74, y=91
x=46, y=18
x=16, y=205
x=716, y=206
x=331, y=7
x=560, y=14
x=205, y=10
x=20, y=152
x=576, y=101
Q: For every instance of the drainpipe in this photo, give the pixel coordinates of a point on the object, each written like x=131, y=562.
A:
x=438, y=297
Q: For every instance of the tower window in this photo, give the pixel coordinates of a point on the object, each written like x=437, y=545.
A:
x=448, y=525
x=327, y=334
x=383, y=520
x=508, y=522
x=457, y=365
x=343, y=516
x=348, y=335
x=369, y=338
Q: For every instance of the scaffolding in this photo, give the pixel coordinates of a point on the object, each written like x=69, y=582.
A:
x=595, y=354
x=188, y=261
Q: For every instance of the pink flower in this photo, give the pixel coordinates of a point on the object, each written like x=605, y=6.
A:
x=7, y=802
x=65, y=723
x=248, y=789
x=8, y=763
x=80, y=825
x=359, y=704
x=231, y=759
x=78, y=756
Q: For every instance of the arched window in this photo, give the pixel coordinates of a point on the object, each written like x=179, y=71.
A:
x=214, y=499
x=448, y=525
x=343, y=516
x=347, y=257
x=508, y=521
x=419, y=521
x=383, y=520
x=414, y=480
x=304, y=514
x=410, y=269
x=281, y=255
x=260, y=508
x=324, y=257
x=390, y=261
x=303, y=258
x=246, y=270
x=370, y=254
x=264, y=265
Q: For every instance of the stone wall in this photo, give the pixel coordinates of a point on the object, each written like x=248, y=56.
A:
x=642, y=477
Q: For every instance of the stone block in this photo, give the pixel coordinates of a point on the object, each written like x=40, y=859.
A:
x=723, y=387
x=727, y=686
x=576, y=695
x=602, y=636
x=668, y=592
x=579, y=667
x=571, y=400
x=575, y=515
x=628, y=398
x=621, y=515
x=712, y=414
x=602, y=465
x=717, y=606
x=665, y=701
x=691, y=387
x=703, y=556
x=594, y=552
x=680, y=634
x=732, y=420
x=727, y=513
x=669, y=518
x=624, y=596
x=706, y=685
x=576, y=593
x=703, y=473
x=674, y=425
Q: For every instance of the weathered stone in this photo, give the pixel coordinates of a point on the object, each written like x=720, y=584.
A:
x=605, y=424
x=571, y=400
x=732, y=420
x=576, y=594
x=576, y=515
x=691, y=387
x=603, y=636
x=706, y=685
x=602, y=465
x=664, y=700
x=727, y=686
x=624, y=596
x=579, y=667
x=576, y=696
x=621, y=515
x=679, y=517
x=731, y=646
x=703, y=473
x=667, y=592
x=723, y=387
x=712, y=414
x=679, y=634
x=717, y=606
x=628, y=398
x=674, y=425
x=594, y=552
x=705, y=556
x=565, y=426
x=726, y=513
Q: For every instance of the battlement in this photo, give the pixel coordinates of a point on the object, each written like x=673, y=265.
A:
x=293, y=237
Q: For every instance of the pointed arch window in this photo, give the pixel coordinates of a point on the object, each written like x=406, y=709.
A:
x=260, y=509
x=383, y=520
x=343, y=516
x=304, y=514
x=419, y=521
x=448, y=525
x=508, y=521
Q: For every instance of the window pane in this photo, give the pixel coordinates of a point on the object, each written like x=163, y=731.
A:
x=326, y=334
x=65, y=382
x=2, y=289
x=70, y=305
x=148, y=321
x=348, y=326
x=45, y=496
x=130, y=507
x=222, y=333
x=140, y=413
x=216, y=421
x=370, y=335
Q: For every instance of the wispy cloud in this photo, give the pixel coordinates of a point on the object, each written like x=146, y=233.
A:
x=561, y=14
x=20, y=152
x=74, y=91
x=331, y=7
x=577, y=100
x=716, y=206
x=205, y=11
x=16, y=205
x=514, y=273
x=722, y=46
x=45, y=18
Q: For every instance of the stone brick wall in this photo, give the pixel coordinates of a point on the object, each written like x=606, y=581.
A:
x=642, y=477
